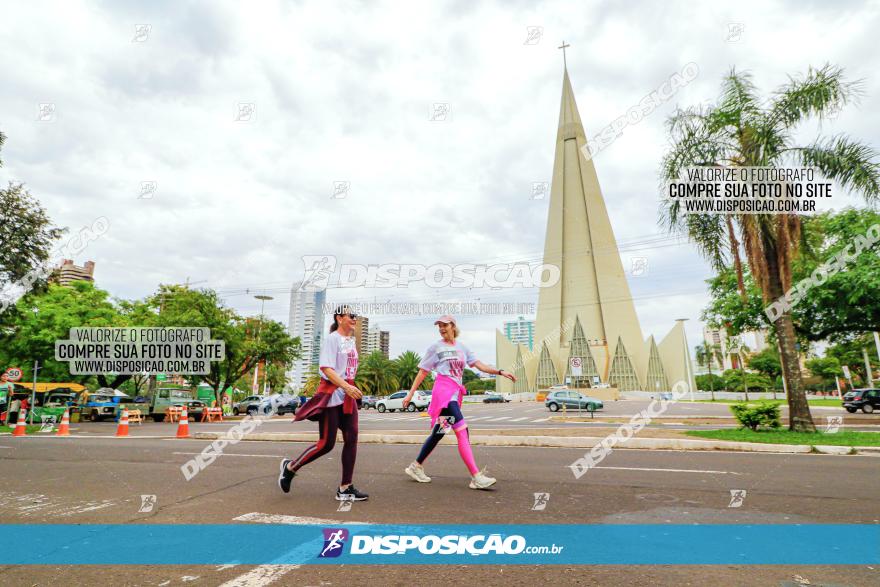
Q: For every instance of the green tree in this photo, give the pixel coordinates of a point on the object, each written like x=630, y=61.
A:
x=406, y=367
x=826, y=368
x=741, y=130
x=247, y=341
x=711, y=381
x=733, y=381
x=26, y=240
x=849, y=353
x=766, y=362
x=313, y=379
x=841, y=308
x=41, y=318
x=376, y=376
x=706, y=354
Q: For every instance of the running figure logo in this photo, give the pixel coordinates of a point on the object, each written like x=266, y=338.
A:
x=319, y=268
x=334, y=541
x=737, y=496
x=541, y=500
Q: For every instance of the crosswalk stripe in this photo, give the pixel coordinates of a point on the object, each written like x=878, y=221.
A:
x=541, y=419
x=499, y=419
x=520, y=419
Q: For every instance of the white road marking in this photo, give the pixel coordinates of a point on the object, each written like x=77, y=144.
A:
x=262, y=575
x=293, y=520
x=499, y=419
x=541, y=419
x=671, y=470
x=520, y=419
x=233, y=454
x=266, y=574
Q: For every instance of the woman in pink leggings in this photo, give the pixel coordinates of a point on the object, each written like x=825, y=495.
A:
x=447, y=358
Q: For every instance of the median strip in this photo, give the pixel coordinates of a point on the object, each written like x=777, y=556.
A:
x=561, y=442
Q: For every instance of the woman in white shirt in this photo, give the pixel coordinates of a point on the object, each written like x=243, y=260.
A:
x=334, y=406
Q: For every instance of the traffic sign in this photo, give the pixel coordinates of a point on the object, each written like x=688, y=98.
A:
x=13, y=374
x=576, y=364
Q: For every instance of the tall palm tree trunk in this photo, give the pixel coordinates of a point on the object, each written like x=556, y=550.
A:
x=799, y=417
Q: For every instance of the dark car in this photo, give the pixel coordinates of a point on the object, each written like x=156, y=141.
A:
x=494, y=398
x=279, y=404
x=866, y=400
x=369, y=401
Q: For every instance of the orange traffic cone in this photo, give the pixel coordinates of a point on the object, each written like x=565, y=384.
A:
x=20, y=424
x=64, y=429
x=183, y=425
x=122, y=429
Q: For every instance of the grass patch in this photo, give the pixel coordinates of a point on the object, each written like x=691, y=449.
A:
x=841, y=438
x=834, y=403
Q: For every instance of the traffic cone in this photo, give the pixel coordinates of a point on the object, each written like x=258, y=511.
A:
x=122, y=429
x=64, y=429
x=183, y=425
x=20, y=424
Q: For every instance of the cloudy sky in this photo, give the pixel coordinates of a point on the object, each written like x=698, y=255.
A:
x=103, y=98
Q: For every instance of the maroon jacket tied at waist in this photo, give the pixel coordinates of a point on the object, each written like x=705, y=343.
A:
x=312, y=409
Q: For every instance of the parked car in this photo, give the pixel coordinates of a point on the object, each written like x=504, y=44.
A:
x=572, y=400
x=491, y=397
x=248, y=405
x=369, y=401
x=282, y=404
x=866, y=400
x=393, y=402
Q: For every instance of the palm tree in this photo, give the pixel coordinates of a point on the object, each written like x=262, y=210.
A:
x=376, y=375
x=743, y=131
x=312, y=381
x=406, y=367
x=705, y=357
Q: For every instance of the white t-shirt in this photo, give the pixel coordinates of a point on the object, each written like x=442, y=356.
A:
x=340, y=354
x=449, y=360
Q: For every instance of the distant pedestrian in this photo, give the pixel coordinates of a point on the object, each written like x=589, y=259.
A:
x=6, y=390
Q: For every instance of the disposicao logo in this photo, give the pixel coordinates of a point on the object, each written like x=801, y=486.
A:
x=334, y=541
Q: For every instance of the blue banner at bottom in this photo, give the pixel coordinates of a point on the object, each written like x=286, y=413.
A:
x=377, y=544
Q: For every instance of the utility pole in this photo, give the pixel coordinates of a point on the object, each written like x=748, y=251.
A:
x=33, y=392
x=870, y=376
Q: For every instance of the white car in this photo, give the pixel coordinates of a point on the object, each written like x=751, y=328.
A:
x=419, y=402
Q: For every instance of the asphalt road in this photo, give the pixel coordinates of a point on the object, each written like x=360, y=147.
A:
x=92, y=480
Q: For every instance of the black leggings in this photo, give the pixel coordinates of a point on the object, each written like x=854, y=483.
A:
x=333, y=419
x=452, y=414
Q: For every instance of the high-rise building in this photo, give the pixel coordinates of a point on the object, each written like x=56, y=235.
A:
x=361, y=335
x=67, y=272
x=306, y=321
x=521, y=331
x=587, y=331
x=727, y=351
x=377, y=340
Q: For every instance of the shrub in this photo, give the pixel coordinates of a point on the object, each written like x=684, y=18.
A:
x=755, y=415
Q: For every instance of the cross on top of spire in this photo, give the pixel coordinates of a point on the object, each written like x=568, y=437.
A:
x=563, y=46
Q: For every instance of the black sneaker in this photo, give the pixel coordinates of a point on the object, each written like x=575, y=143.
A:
x=285, y=477
x=351, y=493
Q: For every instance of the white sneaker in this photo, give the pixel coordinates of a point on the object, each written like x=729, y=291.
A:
x=482, y=481
x=417, y=472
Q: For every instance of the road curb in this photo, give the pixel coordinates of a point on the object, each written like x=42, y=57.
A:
x=563, y=442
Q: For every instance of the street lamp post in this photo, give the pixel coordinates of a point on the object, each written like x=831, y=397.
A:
x=263, y=299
